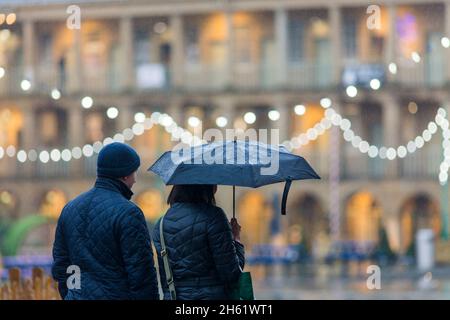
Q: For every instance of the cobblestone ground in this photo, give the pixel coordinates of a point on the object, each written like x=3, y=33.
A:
x=350, y=282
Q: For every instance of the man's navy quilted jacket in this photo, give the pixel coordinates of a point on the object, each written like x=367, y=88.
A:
x=203, y=256
x=106, y=236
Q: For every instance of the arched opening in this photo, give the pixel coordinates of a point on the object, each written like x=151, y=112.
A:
x=51, y=126
x=8, y=206
x=98, y=126
x=305, y=123
x=363, y=218
x=152, y=204
x=52, y=203
x=418, y=212
x=11, y=123
x=309, y=225
x=254, y=215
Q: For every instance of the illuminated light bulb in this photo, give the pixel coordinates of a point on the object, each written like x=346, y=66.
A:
x=250, y=117
x=299, y=109
x=351, y=91
x=375, y=84
x=193, y=121
x=274, y=115
x=325, y=102
x=87, y=102
x=112, y=112
x=221, y=121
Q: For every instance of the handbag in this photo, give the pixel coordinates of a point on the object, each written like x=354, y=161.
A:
x=165, y=258
x=243, y=288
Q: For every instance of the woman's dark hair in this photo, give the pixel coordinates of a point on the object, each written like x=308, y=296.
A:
x=197, y=193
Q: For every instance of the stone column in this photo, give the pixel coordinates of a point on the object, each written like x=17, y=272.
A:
x=335, y=178
x=391, y=132
x=389, y=53
x=283, y=124
x=29, y=49
x=336, y=42
x=29, y=136
x=447, y=34
x=229, y=64
x=281, y=40
x=176, y=65
x=127, y=57
x=75, y=78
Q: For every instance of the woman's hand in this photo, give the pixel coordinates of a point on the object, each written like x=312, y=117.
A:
x=235, y=229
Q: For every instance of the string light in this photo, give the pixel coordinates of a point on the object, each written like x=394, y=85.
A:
x=299, y=109
x=221, y=122
x=87, y=102
x=331, y=118
x=351, y=91
x=250, y=117
x=55, y=94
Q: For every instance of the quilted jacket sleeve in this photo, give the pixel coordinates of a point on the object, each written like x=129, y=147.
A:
x=228, y=255
x=60, y=259
x=137, y=254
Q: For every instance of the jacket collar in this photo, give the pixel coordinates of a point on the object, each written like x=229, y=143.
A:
x=113, y=185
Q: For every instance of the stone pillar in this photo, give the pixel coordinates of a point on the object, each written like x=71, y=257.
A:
x=281, y=40
x=391, y=132
x=447, y=34
x=175, y=110
x=75, y=78
x=176, y=65
x=29, y=136
x=336, y=42
x=127, y=57
x=29, y=49
x=283, y=124
x=125, y=118
x=76, y=130
x=389, y=53
x=229, y=64
x=335, y=178
x=76, y=135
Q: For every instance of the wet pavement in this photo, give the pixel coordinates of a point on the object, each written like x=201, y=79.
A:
x=323, y=282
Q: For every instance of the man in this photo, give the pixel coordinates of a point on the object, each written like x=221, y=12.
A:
x=104, y=236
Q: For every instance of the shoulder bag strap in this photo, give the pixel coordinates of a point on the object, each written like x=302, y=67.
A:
x=165, y=257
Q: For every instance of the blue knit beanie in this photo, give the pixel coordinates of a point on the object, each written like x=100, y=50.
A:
x=117, y=160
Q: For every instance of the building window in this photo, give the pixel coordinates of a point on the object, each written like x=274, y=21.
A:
x=51, y=125
x=193, y=44
x=243, y=45
x=142, y=51
x=350, y=37
x=11, y=124
x=296, y=41
x=98, y=127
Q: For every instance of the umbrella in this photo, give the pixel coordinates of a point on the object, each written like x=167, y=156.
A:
x=235, y=163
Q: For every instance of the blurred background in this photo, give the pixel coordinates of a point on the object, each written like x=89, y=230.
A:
x=360, y=90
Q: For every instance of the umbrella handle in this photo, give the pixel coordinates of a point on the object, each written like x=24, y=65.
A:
x=234, y=201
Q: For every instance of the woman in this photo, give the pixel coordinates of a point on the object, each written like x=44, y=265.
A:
x=204, y=249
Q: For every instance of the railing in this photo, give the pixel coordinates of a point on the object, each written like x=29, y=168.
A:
x=309, y=76
x=90, y=166
x=253, y=76
x=10, y=82
x=152, y=77
x=426, y=73
x=355, y=165
x=422, y=164
x=204, y=77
